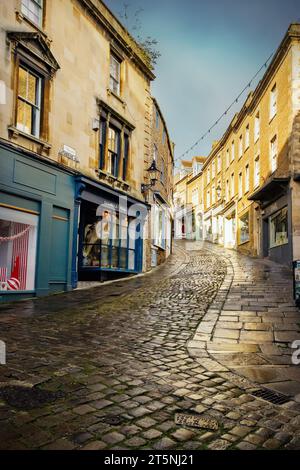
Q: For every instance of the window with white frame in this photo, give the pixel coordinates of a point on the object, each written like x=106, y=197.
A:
x=213, y=170
x=208, y=198
x=29, y=101
x=247, y=179
x=256, y=127
x=208, y=176
x=219, y=192
x=240, y=146
x=232, y=150
x=195, y=197
x=115, y=74
x=247, y=137
x=232, y=189
x=227, y=190
x=273, y=102
x=227, y=158
x=213, y=194
x=33, y=10
x=219, y=163
x=273, y=153
x=256, y=171
x=240, y=184
x=155, y=153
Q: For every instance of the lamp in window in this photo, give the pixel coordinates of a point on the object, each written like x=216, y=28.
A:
x=219, y=191
x=154, y=174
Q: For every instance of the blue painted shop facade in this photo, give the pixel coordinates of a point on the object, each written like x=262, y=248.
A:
x=51, y=234
x=109, y=245
x=36, y=225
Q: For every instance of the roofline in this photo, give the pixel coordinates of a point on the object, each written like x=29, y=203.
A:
x=165, y=125
x=254, y=96
x=137, y=57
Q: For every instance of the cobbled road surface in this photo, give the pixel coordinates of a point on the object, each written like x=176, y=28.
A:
x=116, y=357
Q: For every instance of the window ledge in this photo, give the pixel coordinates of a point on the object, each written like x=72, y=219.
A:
x=112, y=93
x=272, y=118
x=113, y=180
x=21, y=17
x=15, y=132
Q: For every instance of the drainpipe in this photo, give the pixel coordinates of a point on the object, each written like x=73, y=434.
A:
x=79, y=187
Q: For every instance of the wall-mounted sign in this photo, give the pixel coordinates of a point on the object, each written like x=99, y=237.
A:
x=69, y=153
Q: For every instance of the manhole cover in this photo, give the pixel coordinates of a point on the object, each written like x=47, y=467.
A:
x=273, y=397
x=26, y=398
x=194, y=421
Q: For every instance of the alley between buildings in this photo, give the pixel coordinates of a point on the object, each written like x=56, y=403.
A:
x=123, y=358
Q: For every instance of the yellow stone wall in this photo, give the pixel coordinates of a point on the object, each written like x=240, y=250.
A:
x=81, y=46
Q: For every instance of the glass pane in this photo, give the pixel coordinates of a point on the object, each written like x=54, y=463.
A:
x=131, y=259
x=115, y=258
x=91, y=255
x=124, y=237
x=32, y=83
x=123, y=258
x=22, y=82
x=24, y=117
x=106, y=227
x=105, y=257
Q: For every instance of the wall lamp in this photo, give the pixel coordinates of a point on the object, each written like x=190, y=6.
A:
x=153, y=173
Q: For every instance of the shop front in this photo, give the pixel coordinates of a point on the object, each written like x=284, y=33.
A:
x=276, y=224
x=161, y=230
x=230, y=226
x=36, y=219
x=111, y=233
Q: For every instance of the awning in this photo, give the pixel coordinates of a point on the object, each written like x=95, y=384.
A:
x=271, y=190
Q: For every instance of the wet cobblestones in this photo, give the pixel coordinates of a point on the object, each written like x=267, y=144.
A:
x=118, y=353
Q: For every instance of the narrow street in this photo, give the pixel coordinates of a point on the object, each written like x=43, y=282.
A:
x=124, y=361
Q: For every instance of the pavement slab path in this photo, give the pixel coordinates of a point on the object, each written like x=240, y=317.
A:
x=123, y=361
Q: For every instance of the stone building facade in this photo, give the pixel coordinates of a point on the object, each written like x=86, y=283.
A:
x=75, y=136
x=161, y=197
x=250, y=179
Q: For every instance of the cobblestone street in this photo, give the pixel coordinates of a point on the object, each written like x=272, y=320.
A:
x=126, y=357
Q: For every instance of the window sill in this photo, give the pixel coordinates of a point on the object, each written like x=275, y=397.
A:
x=115, y=95
x=272, y=118
x=256, y=141
x=244, y=243
x=14, y=132
x=21, y=17
x=277, y=246
x=103, y=175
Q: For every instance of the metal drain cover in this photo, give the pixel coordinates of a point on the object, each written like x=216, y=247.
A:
x=270, y=396
x=196, y=421
x=27, y=398
x=113, y=420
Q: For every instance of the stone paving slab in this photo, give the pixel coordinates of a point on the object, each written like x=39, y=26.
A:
x=262, y=318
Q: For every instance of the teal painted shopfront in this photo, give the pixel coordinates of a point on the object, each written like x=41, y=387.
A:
x=36, y=225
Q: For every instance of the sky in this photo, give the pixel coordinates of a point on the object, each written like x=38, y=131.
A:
x=210, y=50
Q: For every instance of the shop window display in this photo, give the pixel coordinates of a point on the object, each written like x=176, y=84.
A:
x=18, y=232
